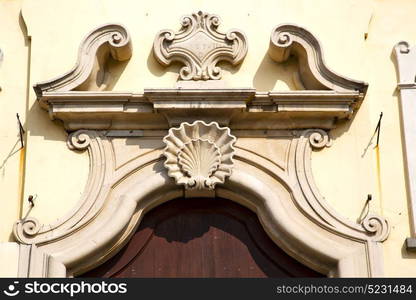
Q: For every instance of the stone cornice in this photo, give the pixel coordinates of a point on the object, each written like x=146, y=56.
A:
x=158, y=107
x=406, y=86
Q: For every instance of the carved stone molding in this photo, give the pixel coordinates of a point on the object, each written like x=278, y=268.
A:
x=319, y=139
x=199, y=155
x=328, y=97
x=162, y=108
x=290, y=39
x=284, y=196
x=199, y=46
x=372, y=227
x=96, y=48
x=31, y=231
x=405, y=57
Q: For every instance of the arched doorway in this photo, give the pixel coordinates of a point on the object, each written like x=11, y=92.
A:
x=201, y=238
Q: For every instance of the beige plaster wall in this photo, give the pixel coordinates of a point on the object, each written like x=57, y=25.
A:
x=9, y=266
x=13, y=84
x=384, y=176
x=357, y=37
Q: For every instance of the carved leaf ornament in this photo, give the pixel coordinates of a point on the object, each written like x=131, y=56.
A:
x=199, y=155
x=199, y=46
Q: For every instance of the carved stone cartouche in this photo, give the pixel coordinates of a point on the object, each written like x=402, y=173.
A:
x=199, y=46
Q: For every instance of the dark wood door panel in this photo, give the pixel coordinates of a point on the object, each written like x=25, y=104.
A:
x=201, y=238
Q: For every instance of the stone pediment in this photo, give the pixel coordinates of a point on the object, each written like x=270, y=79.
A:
x=325, y=98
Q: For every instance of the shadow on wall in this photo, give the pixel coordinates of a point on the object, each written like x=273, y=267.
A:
x=113, y=70
x=157, y=69
x=269, y=72
x=14, y=150
x=39, y=122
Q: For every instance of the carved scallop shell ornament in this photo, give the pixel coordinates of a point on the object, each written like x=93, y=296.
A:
x=199, y=155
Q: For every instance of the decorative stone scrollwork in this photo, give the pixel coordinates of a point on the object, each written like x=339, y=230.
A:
x=378, y=226
x=25, y=229
x=199, y=155
x=199, y=46
x=78, y=140
x=373, y=227
x=319, y=138
x=112, y=39
x=290, y=39
x=402, y=47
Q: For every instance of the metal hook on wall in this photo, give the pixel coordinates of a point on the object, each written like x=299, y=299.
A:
x=21, y=131
x=31, y=199
x=378, y=129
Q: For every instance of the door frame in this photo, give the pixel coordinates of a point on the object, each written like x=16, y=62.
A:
x=286, y=201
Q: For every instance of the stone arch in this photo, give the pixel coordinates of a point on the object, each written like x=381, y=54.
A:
x=143, y=183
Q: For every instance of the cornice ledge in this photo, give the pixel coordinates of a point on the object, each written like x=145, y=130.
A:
x=406, y=86
x=86, y=96
x=405, y=57
x=352, y=98
x=221, y=94
x=290, y=39
x=108, y=39
x=100, y=108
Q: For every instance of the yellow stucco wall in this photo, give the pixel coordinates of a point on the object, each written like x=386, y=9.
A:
x=13, y=84
x=357, y=37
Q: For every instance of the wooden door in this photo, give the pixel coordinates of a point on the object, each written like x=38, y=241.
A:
x=201, y=238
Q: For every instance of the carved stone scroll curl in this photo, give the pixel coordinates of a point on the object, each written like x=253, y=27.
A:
x=199, y=155
x=24, y=230
x=290, y=39
x=378, y=226
x=78, y=140
x=107, y=40
x=199, y=47
x=319, y=139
